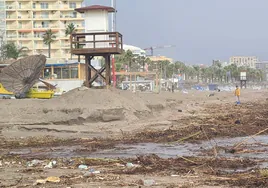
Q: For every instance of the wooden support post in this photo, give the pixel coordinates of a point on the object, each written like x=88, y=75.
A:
x=243, y=83
x=117, y=41
x=108, y=70
x=88, y=70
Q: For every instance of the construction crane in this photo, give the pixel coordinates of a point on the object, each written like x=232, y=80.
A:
x=157, y=47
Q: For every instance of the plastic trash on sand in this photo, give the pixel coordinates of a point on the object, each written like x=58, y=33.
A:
x=130, y=165
x=185, y=91
x=91, y=172
x=51, y=164
x=33, y=163
x=82, y=167
x=148, y=183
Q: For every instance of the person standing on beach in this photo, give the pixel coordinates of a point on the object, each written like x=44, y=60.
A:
x=237, y=94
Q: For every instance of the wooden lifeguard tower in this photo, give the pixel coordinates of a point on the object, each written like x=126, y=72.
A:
x=96, y=41
x=243, y=79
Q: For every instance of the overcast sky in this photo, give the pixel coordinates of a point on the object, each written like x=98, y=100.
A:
x=202, y=30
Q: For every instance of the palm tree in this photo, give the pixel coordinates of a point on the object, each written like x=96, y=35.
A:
x=48, y=38
x=197, y=71
x=129, y=59
x=11, y=51
x=70, y=29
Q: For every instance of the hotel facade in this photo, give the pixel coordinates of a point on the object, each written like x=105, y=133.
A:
x=25, y=21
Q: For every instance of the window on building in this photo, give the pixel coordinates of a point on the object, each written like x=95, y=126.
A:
x=57, y=72
x=72, y=5
x=44, y=15
x=20, y=25
x=65, y=73
x=19, y=5
x=74, y=72
x=34, y=5
x=44, y=45
x=22, y=35
x=47, y=72
x=44, y=5
x=45, y=24
x=74, y=15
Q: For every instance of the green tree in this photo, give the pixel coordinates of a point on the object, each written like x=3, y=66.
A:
x=70, y=29
x=197, y=72
x=2, y=45
x=11, y=51
x=233, y=70
x=49, y=38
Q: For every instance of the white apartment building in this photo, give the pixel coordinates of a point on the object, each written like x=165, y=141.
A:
x=247, y=61
x=27, y=20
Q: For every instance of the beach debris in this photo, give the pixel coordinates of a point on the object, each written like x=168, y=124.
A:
x=91, y=172
x=83, y=167
x=185, y=91
x=34, y=162
x=179, y=110
x=237, y=122
x=148, y=183
x=51, y=179
x=51, y=164
x=198, y=88
x=211, y=95
x=120, y=165
x=130, y=165
x=40, y=181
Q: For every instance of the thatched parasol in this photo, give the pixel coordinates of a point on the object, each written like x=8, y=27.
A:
x=22, y=74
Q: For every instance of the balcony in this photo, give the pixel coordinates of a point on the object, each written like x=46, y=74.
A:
x=71, y=17
x=11, y=37
x=12, y=27
x=24, y=17
x=10, y=8
x=96, y=43
x=66, y=46
x=45, y=47
x=41, y=26
x=25, y=37
x=49, y=8
x=11, y=17
x=25, y=27
x=66, y=7
x=24, y=8
x=19, y=8
x=77, y=26
x=42, y=17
